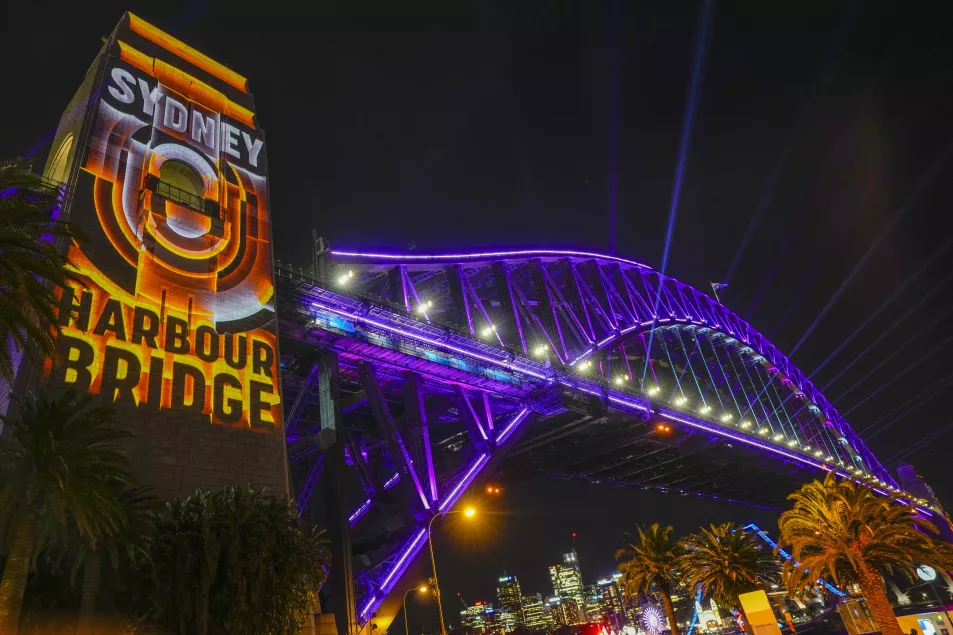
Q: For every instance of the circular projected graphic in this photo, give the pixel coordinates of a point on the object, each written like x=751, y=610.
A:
x=653, y=619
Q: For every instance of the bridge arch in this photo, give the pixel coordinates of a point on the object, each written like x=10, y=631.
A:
x=578, y=306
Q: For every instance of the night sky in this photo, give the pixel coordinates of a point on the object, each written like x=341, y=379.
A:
x=814, y=172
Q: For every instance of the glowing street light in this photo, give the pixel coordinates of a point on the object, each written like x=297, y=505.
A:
x=469, y=512
x=423, y=588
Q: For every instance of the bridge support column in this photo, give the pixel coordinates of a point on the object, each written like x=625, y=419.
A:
x=332, y=440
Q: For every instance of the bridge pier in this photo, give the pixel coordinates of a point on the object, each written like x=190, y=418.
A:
x=332, y=440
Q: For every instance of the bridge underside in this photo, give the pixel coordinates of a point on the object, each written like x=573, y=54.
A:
x=651, y=453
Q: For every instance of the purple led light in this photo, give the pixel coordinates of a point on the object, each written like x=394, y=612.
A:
x=451, y=498
x=529, y=253
x=628, y=403
x=423, y=338
x=368, y=604
x=396, y=571
x=399, y=565
x=751, y=441
x=389, y=483
x=358, y=513
x=581, y=356
x=505, y=432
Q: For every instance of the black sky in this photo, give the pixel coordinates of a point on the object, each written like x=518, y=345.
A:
x=481, y=124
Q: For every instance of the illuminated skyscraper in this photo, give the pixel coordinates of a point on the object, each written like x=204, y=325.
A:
x=536, y=615
x=611, y=601
x=564, y=611
x=567, y=582
x=594, y=603
x=479, y=617
x=510, y=601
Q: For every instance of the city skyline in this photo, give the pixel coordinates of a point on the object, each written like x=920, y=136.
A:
x=509, y=595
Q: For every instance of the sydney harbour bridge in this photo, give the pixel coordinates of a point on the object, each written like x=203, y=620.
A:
x=411, y=379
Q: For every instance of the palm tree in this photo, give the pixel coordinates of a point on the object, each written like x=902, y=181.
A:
x=132, y=537
x=236, y=561
x=725, y=561
x=31, y=265
x=848, y=533
x=59, y=463
x=650, y=562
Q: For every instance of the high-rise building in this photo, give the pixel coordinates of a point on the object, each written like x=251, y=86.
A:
x=612, y=605
x=564, y=611
x=479, y=617
x=536, y=615
x=592, y=594
x=567, y=582
x=510, y=601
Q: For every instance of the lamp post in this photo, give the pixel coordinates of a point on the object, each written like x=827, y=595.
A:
x=469, y=513
x=420, y=589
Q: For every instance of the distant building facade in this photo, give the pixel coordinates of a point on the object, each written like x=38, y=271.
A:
x=564, y=611
x=510, y=601
x=479, y=617
x=536, y=614
x=567, y=583
x=612, y=605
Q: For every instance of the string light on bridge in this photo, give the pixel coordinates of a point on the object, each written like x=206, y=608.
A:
x=725, y=418
x=540, y=350
x=488, y=330
x=705, y=410
x=344, y=279
x=792, y=443
x=763, y=431
x=777, y=437
x=745, y=424
x=422, y=309
x=681, y=401
x=654, y=390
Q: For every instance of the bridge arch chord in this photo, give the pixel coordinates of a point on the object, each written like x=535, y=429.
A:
x=579, y=307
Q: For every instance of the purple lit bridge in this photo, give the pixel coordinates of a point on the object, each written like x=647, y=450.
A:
x=409, y=379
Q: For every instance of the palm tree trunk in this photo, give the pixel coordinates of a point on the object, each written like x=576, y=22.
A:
x=670, y=612
x=871, y=584
x=92, y=572
x=16, y=572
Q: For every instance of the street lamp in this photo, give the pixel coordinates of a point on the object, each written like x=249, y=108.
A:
x=469, y=512
x=421, y=589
